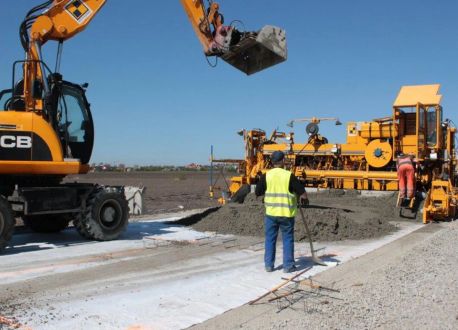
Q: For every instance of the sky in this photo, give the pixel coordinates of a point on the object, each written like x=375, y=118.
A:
x=155, y=100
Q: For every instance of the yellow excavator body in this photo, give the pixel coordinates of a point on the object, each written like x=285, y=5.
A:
x=30, y=146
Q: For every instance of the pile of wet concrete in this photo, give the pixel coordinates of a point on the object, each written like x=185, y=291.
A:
x=332, y=216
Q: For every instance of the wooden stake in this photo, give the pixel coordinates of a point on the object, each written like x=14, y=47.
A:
x=284, y=295
x=314, y=286
x=280, y=285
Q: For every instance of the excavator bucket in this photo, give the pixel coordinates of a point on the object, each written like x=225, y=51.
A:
x=258, y=51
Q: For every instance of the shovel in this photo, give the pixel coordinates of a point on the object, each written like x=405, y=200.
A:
x=315, y=259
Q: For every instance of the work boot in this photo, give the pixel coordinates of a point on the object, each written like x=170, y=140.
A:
x=269, y=269
x=405, y=202
x=291, y=269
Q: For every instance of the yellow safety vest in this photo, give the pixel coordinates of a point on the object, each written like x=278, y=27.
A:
x=278, y=200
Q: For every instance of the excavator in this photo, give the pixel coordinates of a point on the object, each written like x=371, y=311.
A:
x=47, y=130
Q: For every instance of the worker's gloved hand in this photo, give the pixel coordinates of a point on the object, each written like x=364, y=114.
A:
x=304, y=201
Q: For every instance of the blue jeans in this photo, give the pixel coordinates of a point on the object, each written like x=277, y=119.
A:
x=272, y=225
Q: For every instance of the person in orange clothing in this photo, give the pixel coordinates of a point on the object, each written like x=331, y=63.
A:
x=406, y=176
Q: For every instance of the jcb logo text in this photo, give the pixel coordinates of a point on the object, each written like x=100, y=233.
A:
x=19, y=142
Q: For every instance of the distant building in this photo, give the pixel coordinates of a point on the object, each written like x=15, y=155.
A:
x=193, y=166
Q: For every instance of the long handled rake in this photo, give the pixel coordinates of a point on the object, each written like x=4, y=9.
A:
x=315, y=259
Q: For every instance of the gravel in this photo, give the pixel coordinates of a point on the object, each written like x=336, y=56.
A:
x=418, y=291
x=412, y=284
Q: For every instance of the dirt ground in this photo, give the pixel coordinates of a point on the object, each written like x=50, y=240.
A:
x=369, y=286
x=165, y=191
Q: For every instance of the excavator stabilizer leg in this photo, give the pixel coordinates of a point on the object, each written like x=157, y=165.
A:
x=258, y=51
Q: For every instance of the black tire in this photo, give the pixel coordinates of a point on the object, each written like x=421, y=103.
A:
x=6, y=223
x=79, y=226
x=50, y=223
x=106, y=216
x=239, y=196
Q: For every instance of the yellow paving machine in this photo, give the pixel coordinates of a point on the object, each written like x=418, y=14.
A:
x=367, y=161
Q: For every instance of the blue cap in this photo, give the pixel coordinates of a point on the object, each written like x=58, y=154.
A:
x=277, y=156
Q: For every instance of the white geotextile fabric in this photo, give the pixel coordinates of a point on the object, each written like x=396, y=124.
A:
x=171, y=297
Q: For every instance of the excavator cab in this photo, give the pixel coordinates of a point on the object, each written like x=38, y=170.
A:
x=74, y=122
x=65, y=108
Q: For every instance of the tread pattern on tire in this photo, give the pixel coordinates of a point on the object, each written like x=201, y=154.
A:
x=79, y=222
x=79, y=226
x=89, y=227
x=9, y=222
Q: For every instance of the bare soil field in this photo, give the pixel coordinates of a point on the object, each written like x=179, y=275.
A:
x=166, y=192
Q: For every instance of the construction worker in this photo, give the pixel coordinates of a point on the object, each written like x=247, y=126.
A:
x=406, y=176
x=281, y=189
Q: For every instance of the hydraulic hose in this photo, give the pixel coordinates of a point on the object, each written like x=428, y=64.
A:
x=28, y=22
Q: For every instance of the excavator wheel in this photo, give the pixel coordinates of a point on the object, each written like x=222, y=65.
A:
x=106, y=215
x=6, y=223
x=51, y=223
x=79, y=226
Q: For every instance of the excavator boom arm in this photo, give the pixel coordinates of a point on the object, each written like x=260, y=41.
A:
x=60, y=20
x=64, y=19
x=200, y=21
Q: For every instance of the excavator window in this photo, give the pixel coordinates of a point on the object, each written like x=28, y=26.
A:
x=75, y=125
x=74, y=117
